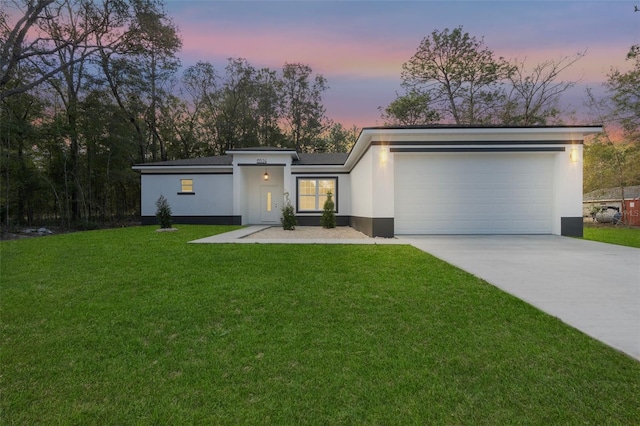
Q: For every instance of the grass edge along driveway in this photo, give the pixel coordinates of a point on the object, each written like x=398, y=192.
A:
x=133, y=326
x=623, y=236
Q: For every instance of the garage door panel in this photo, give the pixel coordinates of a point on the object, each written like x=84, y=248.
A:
x=473, y=193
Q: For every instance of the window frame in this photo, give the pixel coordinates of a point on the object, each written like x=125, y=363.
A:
x=299, y=179
x=182, y=187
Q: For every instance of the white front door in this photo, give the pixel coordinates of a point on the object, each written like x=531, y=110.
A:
x=270, y=204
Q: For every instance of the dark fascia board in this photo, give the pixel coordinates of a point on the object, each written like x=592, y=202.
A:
x=477, y=143
x=487, y=149
x=261, y=165
x=327, y=173
x=154, y=168
x=370, y=134
x=187, y=172
x=182, y=169
x=477, y=127
x=262, y=149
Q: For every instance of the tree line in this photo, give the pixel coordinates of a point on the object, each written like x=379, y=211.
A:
x=611, y=161
x=90, y=87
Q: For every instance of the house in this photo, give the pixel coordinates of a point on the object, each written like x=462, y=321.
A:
x=395, y=180
x=612, y=197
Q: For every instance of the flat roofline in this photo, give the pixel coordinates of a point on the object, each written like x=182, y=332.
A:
x=479, y=126
x=180, y=166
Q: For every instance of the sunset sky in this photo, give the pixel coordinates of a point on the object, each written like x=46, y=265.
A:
x=360, y=46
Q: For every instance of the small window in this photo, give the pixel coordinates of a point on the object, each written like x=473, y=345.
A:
x=186, y=186
x=312, y=193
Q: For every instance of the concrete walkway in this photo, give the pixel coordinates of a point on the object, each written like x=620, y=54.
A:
x=239, y=237
x=594, y=287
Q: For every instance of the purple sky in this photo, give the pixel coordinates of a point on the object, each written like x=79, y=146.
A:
x=360, y=46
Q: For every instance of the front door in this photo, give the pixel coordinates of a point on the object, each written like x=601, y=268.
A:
x=269, y=205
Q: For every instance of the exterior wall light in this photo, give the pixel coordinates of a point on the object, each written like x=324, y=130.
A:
x=384, y=155
x=266, y=175
x=573, y=155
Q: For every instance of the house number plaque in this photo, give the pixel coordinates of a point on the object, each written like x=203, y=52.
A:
x=261, y=161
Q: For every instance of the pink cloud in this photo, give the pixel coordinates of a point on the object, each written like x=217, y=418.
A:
x=326, y=54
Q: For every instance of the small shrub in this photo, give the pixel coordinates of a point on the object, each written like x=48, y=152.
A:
x=164, y=212
x=288, y=218
x=328, y=219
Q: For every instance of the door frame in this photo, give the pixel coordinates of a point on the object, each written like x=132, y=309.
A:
x=270, y=204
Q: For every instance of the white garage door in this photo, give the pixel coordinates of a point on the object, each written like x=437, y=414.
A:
x=473, y=193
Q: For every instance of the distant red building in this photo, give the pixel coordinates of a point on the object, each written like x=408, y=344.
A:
x=631, y=212
x=630, y=209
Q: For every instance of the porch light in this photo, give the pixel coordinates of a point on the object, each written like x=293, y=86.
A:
x=383, y=155
x=266, y=175
x=573, y=155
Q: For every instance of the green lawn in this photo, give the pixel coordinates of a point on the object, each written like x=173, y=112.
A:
x=619, y=235
x=130, y=326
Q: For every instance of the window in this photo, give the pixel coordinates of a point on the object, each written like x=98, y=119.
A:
x=186, y=186
x=312, y=193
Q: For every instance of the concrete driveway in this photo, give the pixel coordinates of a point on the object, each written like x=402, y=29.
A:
x=594, y=287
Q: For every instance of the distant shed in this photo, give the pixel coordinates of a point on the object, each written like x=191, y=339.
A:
x=613, y=197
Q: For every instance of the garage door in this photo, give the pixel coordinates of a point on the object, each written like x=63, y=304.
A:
x=473, y=193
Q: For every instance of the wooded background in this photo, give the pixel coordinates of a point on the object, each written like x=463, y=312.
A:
x=88, y=88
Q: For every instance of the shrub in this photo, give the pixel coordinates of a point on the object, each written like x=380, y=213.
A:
x=164, y=212
x=328, y=219
x=288, y=218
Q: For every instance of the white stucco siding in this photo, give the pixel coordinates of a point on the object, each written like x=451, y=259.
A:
x=382, y=164
x=213, y=194
x=362, y=190
x=568, y=185
x=344, y=194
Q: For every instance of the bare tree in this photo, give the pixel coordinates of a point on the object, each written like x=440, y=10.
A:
x=459, y=74
x=42, y=29
x=303, y=111
x=534, y=98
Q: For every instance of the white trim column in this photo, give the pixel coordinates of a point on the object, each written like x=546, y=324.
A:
x=239, y=192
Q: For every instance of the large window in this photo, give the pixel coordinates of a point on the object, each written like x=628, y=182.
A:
x=312, y=193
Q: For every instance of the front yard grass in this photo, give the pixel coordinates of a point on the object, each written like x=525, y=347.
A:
x=623, y=236
x=132, y=326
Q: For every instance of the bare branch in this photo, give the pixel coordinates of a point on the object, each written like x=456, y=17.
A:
x=80, y=25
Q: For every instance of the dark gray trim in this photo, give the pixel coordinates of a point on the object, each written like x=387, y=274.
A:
x=315, y=176
x=552, y=149
x=329, y=174
x=186, y=193
x=373, y=226
x=482, y=127
x=197, y=220
x=261, y=165
x=315, y=220
x=261, y=149
x=571, y=226
x=479, y=143
x=515, y=149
